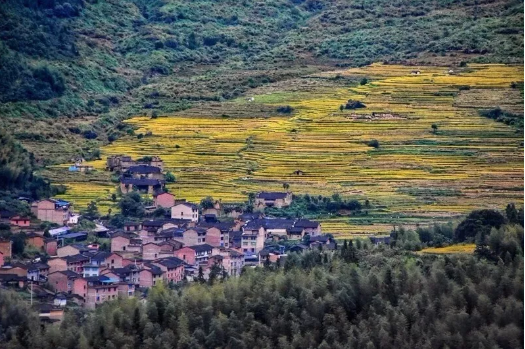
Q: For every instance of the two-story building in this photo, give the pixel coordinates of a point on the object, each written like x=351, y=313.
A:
x=272, y=199
x=186, y=211
x=50, y=210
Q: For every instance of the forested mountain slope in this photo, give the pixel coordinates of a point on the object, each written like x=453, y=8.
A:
x=78, y=67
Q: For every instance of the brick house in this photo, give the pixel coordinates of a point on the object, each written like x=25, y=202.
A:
x=55, y=211
x=17, y=269
x=6, y=247
x=185, y=210
x=62, y=281
x=312, y=228
x=203, y=252
x=150, y=276
x=76, y=263
x=122, y=163
x=213, y=237
x=106, y=259
x=272, y=199
x=233, y=261
x=125, y=290
x=71, y=250
x=125, y=242
x=186, y=254
x=193, y=236
x=165, y=200
x=144, y=171
x=172, y=267
x=132, y=226
x=57, y=264
x=37, y=272
x=35, y=240
x=145, y=185
x=20, y=221
x=50, y=246
x=150, y=251
x=100, y=293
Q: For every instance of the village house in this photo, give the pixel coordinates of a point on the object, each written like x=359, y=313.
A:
x=165, y=200
x=99, y=293
x=150, y=275
x=62, y=281
x=203, y=252
x=193, y=236
x=272, y=199
x=35, y=240
x=106, y=259
x=125, y=242
x=145, y=185
x=144, y=171
x=17, y=269
x=37, y=272
x=71, y=250
x=225, y=228
x=172, y=267
x=233, y=261
x=121, y=163
x=6, y=247
x=185, y=210
x=50, y=246
x=125, y=290
x=76, y=263
x=50, y=210
x=20, y=221
x=128, y=274
x=187, y=254
x=312, y=228
x=57, y=264
x=132, y=226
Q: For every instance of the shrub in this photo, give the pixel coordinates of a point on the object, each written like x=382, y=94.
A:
x=285, y=109
x=364, y=81
x=374, y=143
x=351, y=104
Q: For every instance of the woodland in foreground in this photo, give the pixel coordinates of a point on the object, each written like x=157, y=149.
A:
x=362, y=296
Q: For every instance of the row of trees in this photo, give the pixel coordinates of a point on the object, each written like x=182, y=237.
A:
x=378, y=297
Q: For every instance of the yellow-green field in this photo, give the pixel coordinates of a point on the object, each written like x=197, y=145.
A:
x=414, y=176
x=452, y=249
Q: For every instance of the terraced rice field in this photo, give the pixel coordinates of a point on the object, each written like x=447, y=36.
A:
x=415, y=175
x=452, y=249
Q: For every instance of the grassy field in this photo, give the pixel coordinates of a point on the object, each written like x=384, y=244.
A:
x=452, y=249
x=416, y=175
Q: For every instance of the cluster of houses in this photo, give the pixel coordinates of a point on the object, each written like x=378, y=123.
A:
x=187, y=243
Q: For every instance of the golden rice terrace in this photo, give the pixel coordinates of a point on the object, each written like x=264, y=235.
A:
x=468, y=162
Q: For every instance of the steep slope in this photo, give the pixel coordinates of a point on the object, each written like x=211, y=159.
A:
x=73, y=69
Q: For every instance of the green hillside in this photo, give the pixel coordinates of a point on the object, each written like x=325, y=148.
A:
x=73, y=69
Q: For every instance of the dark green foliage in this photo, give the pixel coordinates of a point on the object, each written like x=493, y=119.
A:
x=478, y=222
x=389, y=299
x=351, y=104
x=91, y=213
x=374, y=143
x=363, y=81
x=131, y=205
x=207, y=203
x=504, y=117
x=438, y=235
x=285, y=109
x=170, y=177
x=304, y=205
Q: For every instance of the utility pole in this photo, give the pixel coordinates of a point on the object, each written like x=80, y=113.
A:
x=31, y=292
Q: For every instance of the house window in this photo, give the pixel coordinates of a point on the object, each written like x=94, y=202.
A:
x=112, y=261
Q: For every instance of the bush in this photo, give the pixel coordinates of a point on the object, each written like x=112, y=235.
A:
x=373, y=143
x=364, y=81
x=351, y=104
x=285, y=109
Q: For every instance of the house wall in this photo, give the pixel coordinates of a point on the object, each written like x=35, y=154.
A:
x=67, y=251
x=16, y=270
x=182, y=211
x=126, y=290
x=213, y=237
x=150, y=251
x=186, y=254
x=97, y=295
x=190, y=237
x=113, y=261
x=164, y=200
x=58, y=282
x=6, y=248
x=57, y=264
x=36, y=241
x=80, y=287
x=45, y=211
x=147, y=279
x=119, y=243
x=51, y=247
x=21, y=222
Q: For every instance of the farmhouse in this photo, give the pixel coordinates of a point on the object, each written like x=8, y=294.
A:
x=20, y=221
x=6, y=248
x=55, y=211
x=145, y=185
x=121, y=163
x=185, y=210
x=144, y=171
x=272, y=199
x=165, y=200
